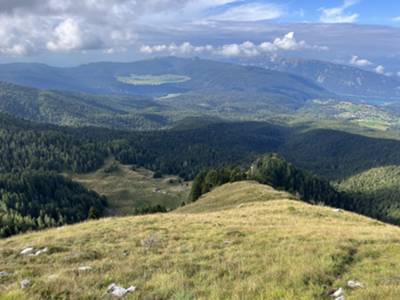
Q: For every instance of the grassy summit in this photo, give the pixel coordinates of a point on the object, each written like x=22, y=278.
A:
x=240, y=241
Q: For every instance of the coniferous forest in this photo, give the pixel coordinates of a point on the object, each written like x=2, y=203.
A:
x=32, y=154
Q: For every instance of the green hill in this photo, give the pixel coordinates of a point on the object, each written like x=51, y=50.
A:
x=377, y=191
x=265, y=246
x=79, y=109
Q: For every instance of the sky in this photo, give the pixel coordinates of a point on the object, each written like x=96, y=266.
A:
x=363, y=33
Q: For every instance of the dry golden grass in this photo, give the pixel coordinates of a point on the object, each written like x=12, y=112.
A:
x=276, y=249
x=231, y=195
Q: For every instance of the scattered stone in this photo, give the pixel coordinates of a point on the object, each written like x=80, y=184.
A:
x=4, y=274
x=353, y=284
x=118, y=291
x=25, y=283
x=27, y=251
x=340, y=298
x=30, y=251
x=337, y=210
x=338, y=293
x=84, y=268
x=44, y=250
x=150, y=242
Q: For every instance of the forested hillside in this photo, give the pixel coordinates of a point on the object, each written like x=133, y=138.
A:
x=374, y=193
x=330, y=154
x=274, y=171
x=377, y=191
x=36, y=200
x=79, y=109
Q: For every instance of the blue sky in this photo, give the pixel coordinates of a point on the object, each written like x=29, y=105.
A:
x=67, y=32
x=368, y=11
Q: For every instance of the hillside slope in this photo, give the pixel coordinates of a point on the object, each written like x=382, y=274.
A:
x=79, y=109
x=276, y=249
x=377, y=190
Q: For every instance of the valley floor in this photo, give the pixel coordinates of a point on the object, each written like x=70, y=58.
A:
x=267, y=246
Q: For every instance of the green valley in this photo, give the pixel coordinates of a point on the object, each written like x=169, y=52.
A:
x=130, y=190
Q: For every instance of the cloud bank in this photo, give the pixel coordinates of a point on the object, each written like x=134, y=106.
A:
x=111, y=25
x=286, y=43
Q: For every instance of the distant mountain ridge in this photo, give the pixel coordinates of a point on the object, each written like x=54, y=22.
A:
x=149, y=94
x=344, y=80
x=102, y=77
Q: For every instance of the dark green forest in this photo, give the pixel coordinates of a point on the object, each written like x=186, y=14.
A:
x=275, y=171
x=330, y=154
x=364, y=194
x=36, y=200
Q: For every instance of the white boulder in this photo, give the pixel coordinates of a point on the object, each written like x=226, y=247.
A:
x=118, y=291
x=84, y=268
x=25, y=283
x=338, y=293
x=27, y=251
x=4, y=274
x=353, y=284
x=44, y=250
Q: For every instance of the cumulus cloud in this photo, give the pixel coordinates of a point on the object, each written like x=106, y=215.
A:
x=380, y=70
x=286, y=43
x=68, y=35
x=355, y=60
x=338, y=14
x=108, y=25
x=174, y=49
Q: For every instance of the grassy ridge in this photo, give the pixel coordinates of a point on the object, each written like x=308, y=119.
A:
x=278, y=249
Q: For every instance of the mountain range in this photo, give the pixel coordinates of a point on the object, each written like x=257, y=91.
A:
x=346, y=81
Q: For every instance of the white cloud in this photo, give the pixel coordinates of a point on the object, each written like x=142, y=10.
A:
x=380, y=70
x=173, y=49
x=398, y=73
x=286, y=43
x=109, y=25
x=396, y=19
x=355, y=60
x=338, y=14
x=68, y=35
x=250, y=12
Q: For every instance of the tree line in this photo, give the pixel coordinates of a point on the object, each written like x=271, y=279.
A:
x=36, y=200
